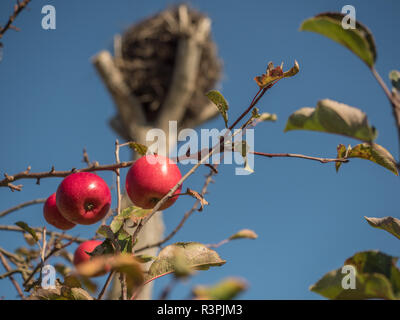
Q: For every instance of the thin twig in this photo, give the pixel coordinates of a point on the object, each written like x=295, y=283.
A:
x=122, y=276
x=20, y=206
x=10, y=273
x=108, y=281
x=12, y=279
x=118, y=178
x=18, y=7
x=86, y=157
x=184, y=218
x=124, y=290
x=217, y=245
x=49, y=233
x=293, y=155
x=393, y=101
x=7, y=181
x=11, y=256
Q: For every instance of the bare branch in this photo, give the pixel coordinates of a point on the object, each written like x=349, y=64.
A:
x=6, y=182
x=108, y=281
x=44, y=259
x=12, y=279
x=395, y=103
x=86, y=157
x=293, y=155
x=20, y=206
x=18, y=7
x=48, y=233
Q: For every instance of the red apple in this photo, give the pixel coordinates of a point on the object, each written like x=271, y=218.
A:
x=53, y=215
x=150, y=178
x=81, y=255
x=83, y=198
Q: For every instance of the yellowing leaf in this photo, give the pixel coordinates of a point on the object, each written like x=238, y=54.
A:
x=244, y=234
x=274, y=74
x=389, y=224
x=360, y=40
x=267, y=117
x=333, y=117
x=226, y=289
x=194, y=255
x=222, y=105
x=369, y=151
x=99, y=265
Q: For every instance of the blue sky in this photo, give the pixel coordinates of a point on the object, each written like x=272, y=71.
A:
x=309, y=218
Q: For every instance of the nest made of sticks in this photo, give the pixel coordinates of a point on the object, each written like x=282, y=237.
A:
x=148, y=51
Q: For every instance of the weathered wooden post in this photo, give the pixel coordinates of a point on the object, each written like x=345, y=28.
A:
x=161, y=69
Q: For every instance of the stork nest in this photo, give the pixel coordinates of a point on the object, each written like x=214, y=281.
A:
x=148, y=51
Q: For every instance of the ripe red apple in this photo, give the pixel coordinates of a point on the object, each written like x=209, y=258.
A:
x=81, y=256
x=53, y=215
x=83, y=198
x=150, y=178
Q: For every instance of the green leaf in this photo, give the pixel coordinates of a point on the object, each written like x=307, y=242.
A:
x=125, y=243
x=333, y=117
x=28, y=229
x=106, y=232
x=131, y=213
x=139, y=148
x=377, y=277
x=226, y=289
x=195, y=255
x=389, y=224
x=394, y=76
x=106, y=247
x=244, y=234
x=368, y=151
x=360, y=40
x=218, y=99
